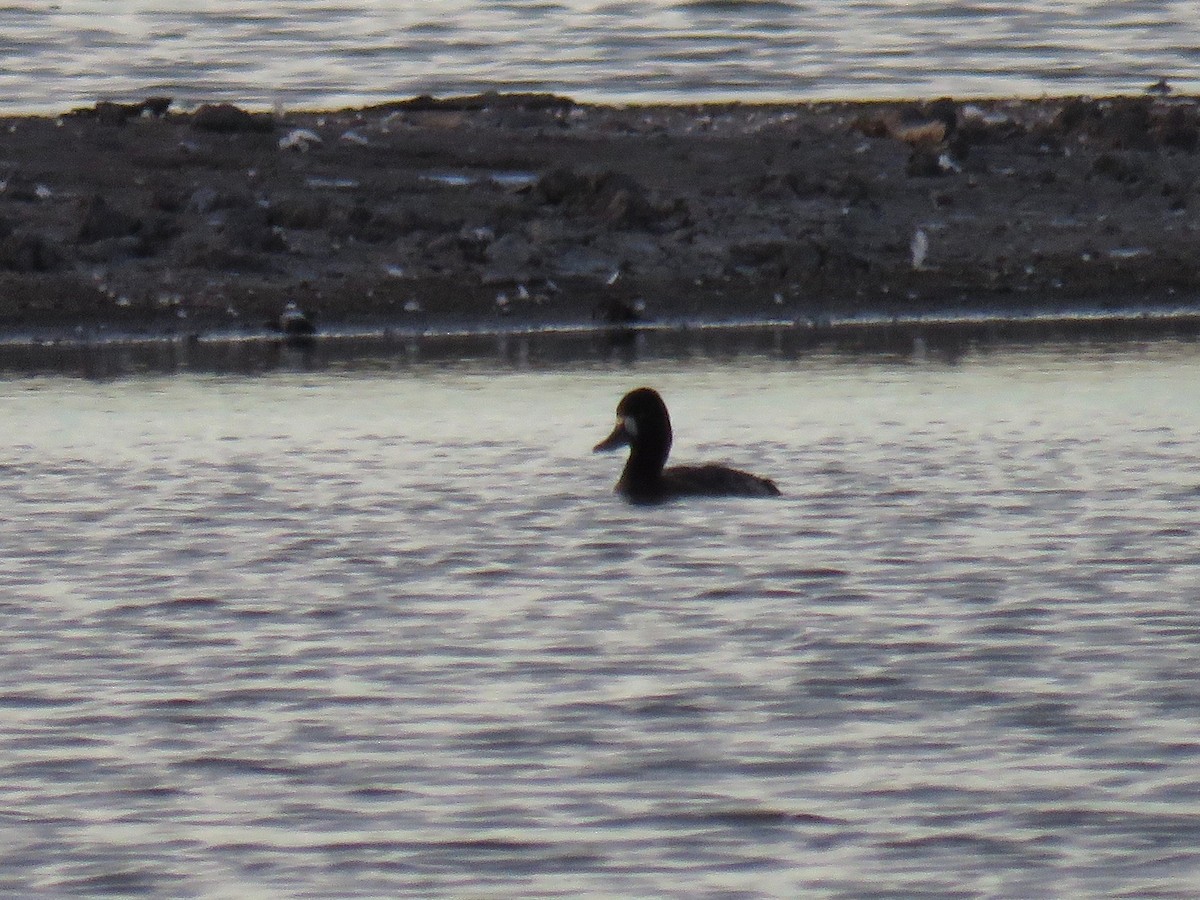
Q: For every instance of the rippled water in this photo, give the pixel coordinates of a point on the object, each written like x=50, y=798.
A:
x=383, y=629
x=334, y=52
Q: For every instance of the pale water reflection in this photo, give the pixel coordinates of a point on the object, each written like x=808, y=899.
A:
x=375, y=630
x=326, y=53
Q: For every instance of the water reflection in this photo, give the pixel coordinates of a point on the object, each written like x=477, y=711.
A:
x=942, y=342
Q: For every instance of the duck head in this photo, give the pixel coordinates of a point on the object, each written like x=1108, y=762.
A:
x=643, y=425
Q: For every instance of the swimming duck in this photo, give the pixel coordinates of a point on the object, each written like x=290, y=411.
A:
x=645, y=426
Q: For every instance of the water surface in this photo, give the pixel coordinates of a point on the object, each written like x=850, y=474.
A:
x=383, y=629
x=323, y=53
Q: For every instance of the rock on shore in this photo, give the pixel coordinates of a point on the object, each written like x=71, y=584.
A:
x=533, y=209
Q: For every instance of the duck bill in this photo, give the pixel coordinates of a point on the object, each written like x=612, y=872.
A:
x=618, y=438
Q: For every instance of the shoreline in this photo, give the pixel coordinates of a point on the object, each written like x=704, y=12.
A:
x=932, y=338
x=503, y=212
x=944, y=341
x=1183, y=320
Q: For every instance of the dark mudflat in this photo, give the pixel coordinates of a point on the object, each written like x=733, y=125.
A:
x=511, y=211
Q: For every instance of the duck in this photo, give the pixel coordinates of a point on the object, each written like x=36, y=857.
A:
x=296, y=326
x=644, y=425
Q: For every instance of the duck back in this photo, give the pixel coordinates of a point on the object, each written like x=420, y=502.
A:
x=717, y=481
x=710, y=480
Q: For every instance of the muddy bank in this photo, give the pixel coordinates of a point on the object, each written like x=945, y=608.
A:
x=525, y=210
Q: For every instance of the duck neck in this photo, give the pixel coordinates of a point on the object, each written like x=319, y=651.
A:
x=645, y=464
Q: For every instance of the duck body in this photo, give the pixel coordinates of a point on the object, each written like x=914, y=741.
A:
x=710, y=480
x=644, y=425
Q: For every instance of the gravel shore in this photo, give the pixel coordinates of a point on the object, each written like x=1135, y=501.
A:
x=524, y=211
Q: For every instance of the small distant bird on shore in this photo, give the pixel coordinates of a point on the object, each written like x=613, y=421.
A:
x=927, y=125
x=613, y=311
x=295, y=325
x=1160, y=87
x=930, y=130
